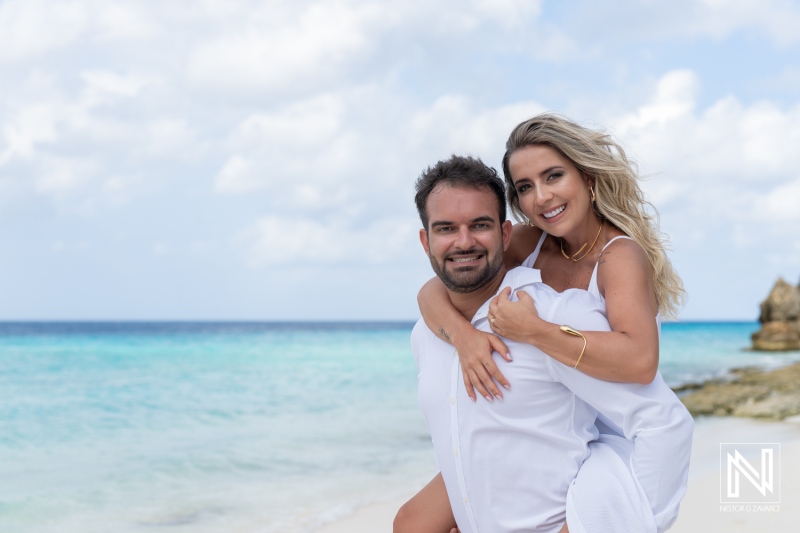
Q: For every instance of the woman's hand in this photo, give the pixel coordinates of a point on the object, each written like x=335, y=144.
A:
x=478, y=368
x=514, y=320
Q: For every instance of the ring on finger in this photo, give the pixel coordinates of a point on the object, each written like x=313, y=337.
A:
x=492, y=319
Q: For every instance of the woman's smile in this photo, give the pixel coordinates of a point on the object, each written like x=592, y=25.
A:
x=553, y=214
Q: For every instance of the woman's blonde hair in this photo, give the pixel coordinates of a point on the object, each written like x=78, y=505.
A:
x=619, y=198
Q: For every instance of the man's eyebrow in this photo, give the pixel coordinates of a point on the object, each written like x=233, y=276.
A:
x=484, y=218
x=441, y=223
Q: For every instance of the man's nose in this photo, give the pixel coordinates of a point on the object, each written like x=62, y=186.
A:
x=464, y=240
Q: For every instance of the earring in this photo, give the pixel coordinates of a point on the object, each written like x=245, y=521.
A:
x=529, y=223
x=592, y=191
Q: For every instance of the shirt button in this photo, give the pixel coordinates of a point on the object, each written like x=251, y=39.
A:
x=455, y=452
x=466, y=500
x=452, y=400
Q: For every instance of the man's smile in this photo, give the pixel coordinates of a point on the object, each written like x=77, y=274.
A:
x=464, y=260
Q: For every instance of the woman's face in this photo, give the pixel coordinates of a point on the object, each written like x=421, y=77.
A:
x=552, y=192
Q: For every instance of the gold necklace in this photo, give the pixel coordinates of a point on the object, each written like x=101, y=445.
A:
x=582, y=247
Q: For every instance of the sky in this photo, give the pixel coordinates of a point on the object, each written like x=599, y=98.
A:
x=255, y=160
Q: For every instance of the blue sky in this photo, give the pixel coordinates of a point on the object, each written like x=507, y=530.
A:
x=235, y=159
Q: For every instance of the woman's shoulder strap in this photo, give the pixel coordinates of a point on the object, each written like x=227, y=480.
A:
x=532, y=258
x=593, y=288
x=615, y=238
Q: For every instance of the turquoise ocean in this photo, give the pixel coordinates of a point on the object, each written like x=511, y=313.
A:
x=252, y=427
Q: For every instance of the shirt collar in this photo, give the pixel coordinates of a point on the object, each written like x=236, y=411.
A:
x=516, y=278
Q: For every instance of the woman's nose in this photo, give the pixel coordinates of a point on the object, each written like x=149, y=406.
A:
x=542, y=195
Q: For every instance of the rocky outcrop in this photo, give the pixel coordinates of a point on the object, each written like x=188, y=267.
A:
x=780, y=319
x=749, y=393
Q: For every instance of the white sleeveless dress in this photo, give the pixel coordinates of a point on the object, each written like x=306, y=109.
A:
x=593, y=289
x=605, y=495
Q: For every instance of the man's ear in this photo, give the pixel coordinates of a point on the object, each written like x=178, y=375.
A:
x=507, y=227
x=423, y=238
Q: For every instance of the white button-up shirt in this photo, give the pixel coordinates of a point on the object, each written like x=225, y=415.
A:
x=508, y=465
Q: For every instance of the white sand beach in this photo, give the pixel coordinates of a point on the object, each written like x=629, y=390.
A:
x=701, y=510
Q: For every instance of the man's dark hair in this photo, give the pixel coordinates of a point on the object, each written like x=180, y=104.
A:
x=459, y=171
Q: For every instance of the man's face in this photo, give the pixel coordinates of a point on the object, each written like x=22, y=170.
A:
x=465, y=239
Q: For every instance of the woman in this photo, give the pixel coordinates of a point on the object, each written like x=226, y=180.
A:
x=587, y=227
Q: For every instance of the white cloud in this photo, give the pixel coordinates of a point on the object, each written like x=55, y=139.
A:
x=278, y=240
x=778, y=20
x=631, y=21
x=770, y=138
x=509, y=12
x=65, y=176
x=325, y=158
x=106, y=81
x=30, y=27
x=123, y=20
x=316, y=44
x=32, y=125
x=295, y=147
x=719, y=164
x=781, y=205
x=727, y=165
x=72, y=184
x=235, y=176
x=93, y=142
x=118, y=190
x=307, y=121
x=455, y=124
x=50, y=122
x=675, y=97
x=286, y=49
x=168, y=137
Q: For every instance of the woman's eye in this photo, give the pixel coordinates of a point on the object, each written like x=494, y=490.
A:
x=555, y=175
x=523, y=188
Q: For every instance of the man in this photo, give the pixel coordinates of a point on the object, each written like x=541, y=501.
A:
x=524, y=464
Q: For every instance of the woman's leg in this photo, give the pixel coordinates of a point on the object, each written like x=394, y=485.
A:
x=427, y=512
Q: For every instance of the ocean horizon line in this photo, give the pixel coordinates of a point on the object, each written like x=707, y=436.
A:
x=298, y=322
x=159, y=327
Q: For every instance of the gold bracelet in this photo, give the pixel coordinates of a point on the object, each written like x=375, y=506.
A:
x=575, y=332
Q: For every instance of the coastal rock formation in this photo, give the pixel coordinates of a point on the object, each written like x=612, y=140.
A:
x=780, y=319
x=750, y=393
